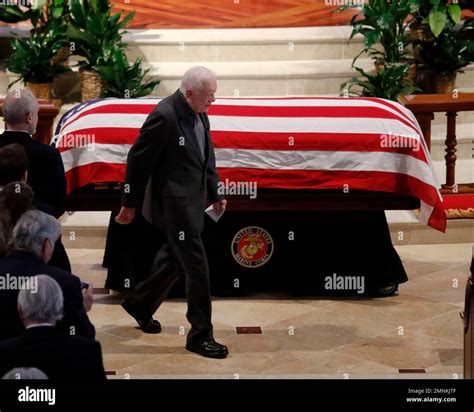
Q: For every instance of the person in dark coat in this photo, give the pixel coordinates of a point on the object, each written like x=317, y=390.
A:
x=60, y=356
x=45, y=167
x=171, y=172
x=34, y=236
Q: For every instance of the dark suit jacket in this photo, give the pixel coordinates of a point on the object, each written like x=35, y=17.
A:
x=167, y=152
x=60, y=356
x=45, y=172
x=21, y=263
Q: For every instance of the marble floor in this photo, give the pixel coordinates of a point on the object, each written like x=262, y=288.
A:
x=415, y=334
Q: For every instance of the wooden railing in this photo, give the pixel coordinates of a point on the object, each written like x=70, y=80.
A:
x=424, y=106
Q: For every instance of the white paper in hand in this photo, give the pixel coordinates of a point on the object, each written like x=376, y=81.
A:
x=214, y=216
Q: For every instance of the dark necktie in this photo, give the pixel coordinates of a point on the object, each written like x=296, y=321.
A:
x=200, y=133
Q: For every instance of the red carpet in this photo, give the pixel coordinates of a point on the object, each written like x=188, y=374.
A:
x=459, y=206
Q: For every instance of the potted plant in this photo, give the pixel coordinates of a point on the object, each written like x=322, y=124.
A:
x=445, y=56
x=38, y=59
x=125, y=80
x=95, y=35
x=389, y=83
x=385, y=23
x=430, y=17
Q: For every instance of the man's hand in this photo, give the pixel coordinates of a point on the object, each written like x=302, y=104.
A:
x=88, y=298
x=126, y=215
x=219, y=207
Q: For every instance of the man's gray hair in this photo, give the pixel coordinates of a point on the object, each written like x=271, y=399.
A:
x=17, y=104
x=25, y=373
x=195, y=77
x=45, y=303
x=33, y=228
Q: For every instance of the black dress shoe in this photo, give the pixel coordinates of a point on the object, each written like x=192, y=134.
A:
x=147, y=325
x=208, y=348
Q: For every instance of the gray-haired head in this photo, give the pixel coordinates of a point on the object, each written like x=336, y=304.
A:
x=43, y=304
x=25, y=373
x=20, y=110
x=35, y=229
x=195, y=78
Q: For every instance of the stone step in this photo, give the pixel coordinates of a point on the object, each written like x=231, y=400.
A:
x=463, y=117
x=464, y=170
x=300, y=43
x=276, y=78
x=464, y=129
x=261, y=44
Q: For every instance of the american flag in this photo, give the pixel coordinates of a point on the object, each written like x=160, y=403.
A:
x=291, y=143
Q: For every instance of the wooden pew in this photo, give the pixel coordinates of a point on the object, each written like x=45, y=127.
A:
x=467, y=317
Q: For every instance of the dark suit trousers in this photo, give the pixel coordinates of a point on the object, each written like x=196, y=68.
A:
x=178, y=257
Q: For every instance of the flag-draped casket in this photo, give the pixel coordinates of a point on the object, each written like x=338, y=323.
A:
x=289, y=143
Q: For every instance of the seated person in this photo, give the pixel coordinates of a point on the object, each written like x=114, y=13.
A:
x=34, y=236
x=13, y=168
x=45, y=167
x=60, y=356
x=25, y=373
x=16, y=198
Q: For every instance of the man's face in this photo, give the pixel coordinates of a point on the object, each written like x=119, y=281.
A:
x=201, y=99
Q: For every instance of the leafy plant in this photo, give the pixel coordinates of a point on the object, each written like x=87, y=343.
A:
x=95, y=33
x=449, y=52
x=384, y=22
x=389, y=83
x=437, y=13
x=12, y=13
x=466, y=34
x=123, y=79
x=35, y=58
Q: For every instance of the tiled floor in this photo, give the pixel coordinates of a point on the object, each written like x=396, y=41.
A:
x=417, y=329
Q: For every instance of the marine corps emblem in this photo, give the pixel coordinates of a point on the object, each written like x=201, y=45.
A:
x=252, y=247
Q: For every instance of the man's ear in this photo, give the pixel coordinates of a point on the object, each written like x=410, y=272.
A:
x=29, y=117
x=44, y=249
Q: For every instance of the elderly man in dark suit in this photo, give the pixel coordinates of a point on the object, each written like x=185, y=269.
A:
x=45, y=167
x=60, y=356
x=34, y=236
x=171, y=173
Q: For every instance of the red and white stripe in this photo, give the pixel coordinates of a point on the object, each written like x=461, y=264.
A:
x=291, y=143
